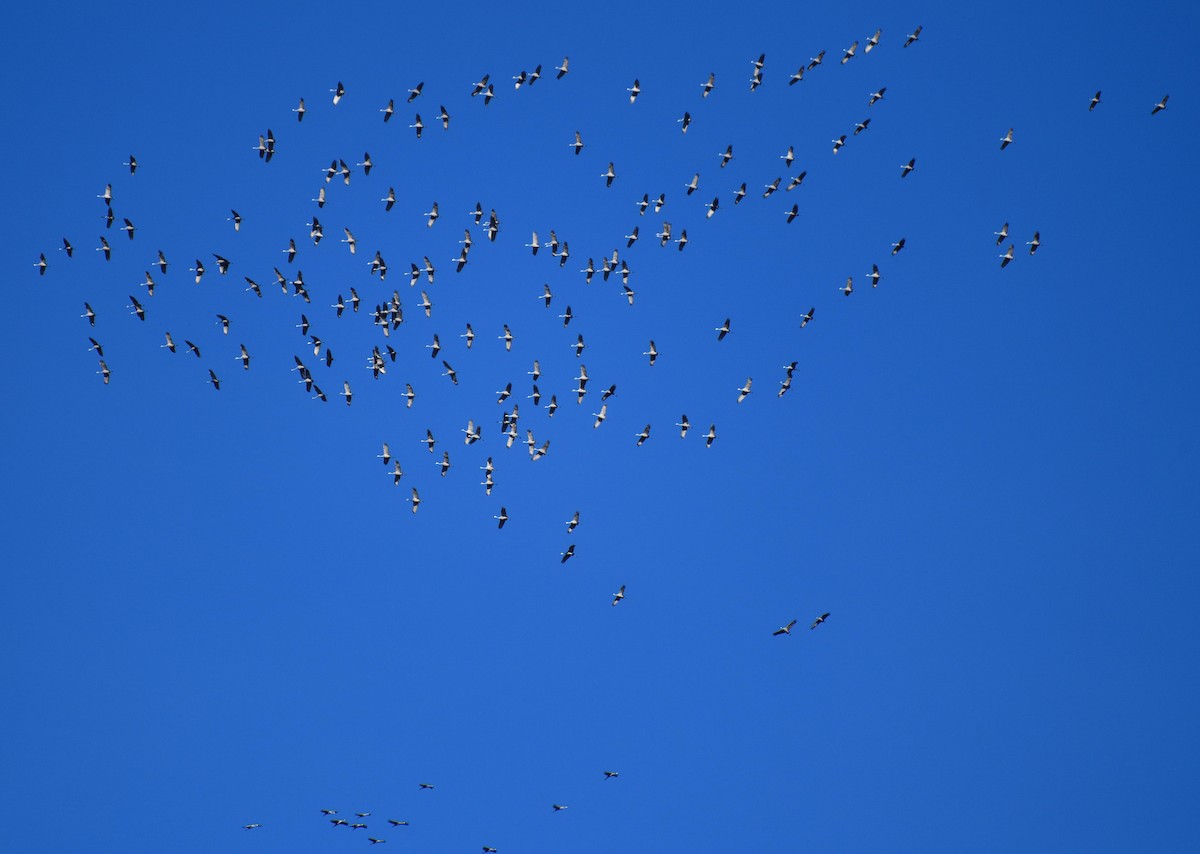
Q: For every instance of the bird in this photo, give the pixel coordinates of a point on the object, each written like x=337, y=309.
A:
x=394, y=823
x=707, y=86
x=897, y=246
x=792, y=212
x=250, y=826
x=849, y=53
x=127, y=228
x=1160, y=106
x=874, y=275
x=558, y=807
x=566, y=556
x=872, y=41
x=170, y=345
x=96, y=346
x=710, y=436
x=244, y=357
x=819, y=620
x=907, y=167
x=722, y=330
x=876, y=96
x=418, y=125
x=192, y=347
x=105, y=248
x=609, y=175
x=1095, y=100
x=744, y=391
x=346, y=392
x=415, y=92
x=838, y=143
x=712, y=206
x=137, y=308
x=600, y=416
x=212, y=378
x=1035, y=243
x=562, y=69
x=503, y=517
x=450, y=372
x=578, y=143
x=104, y=371
x=444, y=463
x=236, y=219
x=848, y=288
x=643, y=436
x=814, y=61
x=788, y=156
x=726, y=156
x=507, y=338
x=740, y=194
x=1006, y=140
x=1002, y=234
x=796, y=181
x=41, y=264
x=784, y=630
x=797, y=76
x=416, y=502
x=1007, y=256
x=912, y=37
x=374, y=840
x=132, y=164
x=684, y=425
x=692, y=185
x=652, y=352
x=684, y=121
x=89, y=313
x=444, y=116
x=772, y=187
x=338, y=93
x=617, y=597
x=634, y=90
x=573, y=522
x=432, y=214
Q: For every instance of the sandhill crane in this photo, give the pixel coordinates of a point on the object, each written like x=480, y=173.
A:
x=788, y=157
x=744, y=391
x=849, y=53
x=558, y=807
x=684, y=121
x=415, y=92
x=67, y=247
x=105, y=248
x=566, y=556
x=192, y=347
x=610, y=775
x=1006, y=140
x=792, y=212
x=643, y=436
x=504, y=393
x=907, y=167
x=1035, y=243
x=409, y=395
x=652, y=352
x=536, y=397
x=535, y=75
x=222, y=264
x=680, y=242
x=609, y=175
x=796, y=181
x=250, y=826
x=89, y=313
x=537, y=370
x=814, y=61
x=573, y=522
x=1007, y=256
x=710, y=436
x=534, y=245
x=519, y=78
x=137, y=308
x=784, y=630
x=874, y=275
x=162, y=261
x=339, y=822
x=838, y=143
x=428, y=441
x=861, y=126
x=450, y=372
x=876, y=96
x=562, y=69
x=106, y=195
x=1002, y=234
x=96, y=346
x=502, y=518
x=819, y=620
x=432, y=215
x=507, y=337
x=848, y=288
x=707, y=86
x=684, y=425
x=740, y=194
x=797, y=76
x=104, y=372
x=1095, y=100
x=617, y=597
x=578, y=143
x=132, y=164
x=712, y=207
x=444, y=116
x=212, y=378
x=374, y=840
x=41, y=264
x=768, y=189
x=346, y=392
x=660, y=202
x=338, y=92
x=898, y=245
x=416, y=502
x=578, y=345
x=552, y=406
x=395, y=823
x=631, y=238
x=784, y=385
x=726, y=156
x=418, y=125
x=912, y=37
x=469, y=335
x=426, y=304
x=1160, y=106
x=634, y=90
x=692, y=185
x=629, y=293
x=245, y=357
x=444, y=463
x=722, y=330
x=600, y=416
x=872, y=41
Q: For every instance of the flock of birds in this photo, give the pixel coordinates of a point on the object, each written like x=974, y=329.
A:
x=387, y=315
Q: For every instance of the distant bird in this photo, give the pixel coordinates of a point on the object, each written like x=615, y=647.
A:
x=1095, y=100
x=338, y=92
x=652, y=352
x=192, y=347
x=41, y=264
x=712, y=206
x=796, y=181
x=450, y=372
x=849, y=53
x=328, y=812
x=1002, y=234
x=707, y=86
x=394, y=823
x=813, y=62
x=170, y=345
x=600, y=416
x=788, y=156
x=772, y=187
x=683, y=426
x=1006, y=140
x=612, y=775
x=566, y=556
x=416, y=502
x=643, y=436
x=418, y=125
x=104, y=372
x=132, y=164
x=245, y=357
x=838, y=143
x=793, y=212
x=686, y=120
x=912, y=37
x=444, y=463
x=692, y=185
x=562, y=69
x=744, y=391
x=1035, y=243
x=250, y=826
x=861, y=126
x=299, y=110
x=444, y=116
x=578, y=143
x=1007, y=256
x=617, y=597
x=137, y=308
x=414, y=93
x=558, y=807
x=907, y=167
x=740, y=194
x=89, y=314
x=105, y=248
x=797, y=76
x=1160, y=106
x=819, y=620
x=784, y=630
x=573, y=522
x=609, y=175
x=849, y=286
x=680, y=242
x=726, y=156
x=876, y=96
x=874, y=275
x=634, y=90
x=897, y=246
x=872, y=41
x=507, y=337
x=346, y=392
x=128, y=229
x=373, y=840
x=503, y=517
x=432, y=214
x=722, y=330
x=710, y=436
x=212, y=378
x=96, y=346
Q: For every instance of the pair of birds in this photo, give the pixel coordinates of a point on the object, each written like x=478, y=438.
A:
x=787, y=630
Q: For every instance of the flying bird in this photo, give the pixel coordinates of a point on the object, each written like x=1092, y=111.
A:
x=617, y=597
x=784, y=630
x=819, y=620
x=1006, y=140
x=912, y=37
x=1095, y=100
x=567, y=555
x=1035, y=243
x=338, y=92
x=722, y=330
x=744, y=391
x=907, y=167
x=1160, y=106
x=1007, y=256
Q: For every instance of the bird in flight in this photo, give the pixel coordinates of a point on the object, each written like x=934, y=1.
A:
x=617, y=597
x=784, y=630
x=819, y=620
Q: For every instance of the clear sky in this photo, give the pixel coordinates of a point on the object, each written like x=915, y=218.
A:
x=221, y=611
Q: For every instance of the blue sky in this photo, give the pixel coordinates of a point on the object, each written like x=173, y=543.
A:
x=221, y=611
